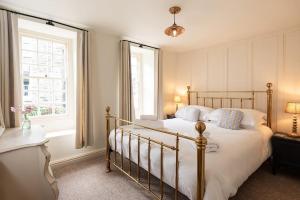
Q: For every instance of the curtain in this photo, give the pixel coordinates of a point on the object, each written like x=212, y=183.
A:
x=10, y=83
x=125, y=89
x=84, y=122
x=159, y=93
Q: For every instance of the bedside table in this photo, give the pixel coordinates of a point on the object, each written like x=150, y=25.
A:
x=286, y=151
x=171, y=116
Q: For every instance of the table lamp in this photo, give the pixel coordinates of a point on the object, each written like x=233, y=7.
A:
x=177, y=100
x=293, y=108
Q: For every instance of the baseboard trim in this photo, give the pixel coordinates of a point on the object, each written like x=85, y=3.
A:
x=55, y=164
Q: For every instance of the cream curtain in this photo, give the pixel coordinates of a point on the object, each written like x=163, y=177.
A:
x=159, y=93
x=84, y=125
x=125, y=89
x=10, y=83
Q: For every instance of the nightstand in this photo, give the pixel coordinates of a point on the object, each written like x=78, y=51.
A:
x=286, y=151
x=171, y=116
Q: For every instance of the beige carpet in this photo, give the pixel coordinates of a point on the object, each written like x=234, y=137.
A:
x=88, y=181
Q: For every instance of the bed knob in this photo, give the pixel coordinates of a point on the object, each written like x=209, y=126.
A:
x=200, y=127
x=269, y=85
x=107, y=109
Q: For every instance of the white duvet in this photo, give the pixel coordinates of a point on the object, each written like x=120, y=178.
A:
x=241, y=153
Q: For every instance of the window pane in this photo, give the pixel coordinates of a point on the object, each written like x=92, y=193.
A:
x=45, y=110
x=58, y=48
x=29, y=57
x=38, y=71
x=30, y=97
x=34, y=111
x=144, y=78
x=26, y=69
x=29, y=43
x=58, y=61
x=57, y=72
x=44, y=75
x=30, y=84
x=59, y=97
x=60, y=109
x=45, y=97
x=44, y=46
x=59, y=85
x=45, y=84
x=45, y=59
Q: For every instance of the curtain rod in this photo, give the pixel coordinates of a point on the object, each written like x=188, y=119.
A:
x=142, y=45
x=41, y=18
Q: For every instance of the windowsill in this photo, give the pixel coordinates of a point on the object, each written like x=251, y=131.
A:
x=60, y=133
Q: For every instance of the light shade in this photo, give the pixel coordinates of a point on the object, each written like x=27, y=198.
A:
x=174, y=30
x=293, y=107
x=177, y=99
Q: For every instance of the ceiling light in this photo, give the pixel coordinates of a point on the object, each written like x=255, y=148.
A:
x=174, y=30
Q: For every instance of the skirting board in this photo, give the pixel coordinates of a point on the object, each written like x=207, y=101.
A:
x=77, y=158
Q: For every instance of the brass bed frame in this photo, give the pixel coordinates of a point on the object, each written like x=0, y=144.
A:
x=200, y=141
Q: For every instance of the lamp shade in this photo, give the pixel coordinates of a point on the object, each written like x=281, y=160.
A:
x=174, y=30
x=293, y=107
x=177, y=99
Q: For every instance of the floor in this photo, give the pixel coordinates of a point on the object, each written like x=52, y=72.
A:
x=88, y=181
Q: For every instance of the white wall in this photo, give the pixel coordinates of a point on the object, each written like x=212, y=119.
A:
x=246, y=65
x=104, y=62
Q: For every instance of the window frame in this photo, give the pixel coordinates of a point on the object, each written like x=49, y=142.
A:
x=140, y=64
x=69, y=73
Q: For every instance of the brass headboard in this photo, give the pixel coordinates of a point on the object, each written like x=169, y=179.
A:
x=212, y=98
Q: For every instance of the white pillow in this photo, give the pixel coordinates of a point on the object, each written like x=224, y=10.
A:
x=189, y=113
x=192, y=114
x=214, y=116
x=180, y=113
x=204, y=111
x=251, y=117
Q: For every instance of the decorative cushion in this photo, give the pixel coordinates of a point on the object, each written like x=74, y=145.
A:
x=230, y=119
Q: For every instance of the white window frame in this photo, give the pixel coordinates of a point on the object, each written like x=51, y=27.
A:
x=140, y=63
x=70, y=88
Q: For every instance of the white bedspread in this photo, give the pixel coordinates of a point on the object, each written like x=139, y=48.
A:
x=241, y=153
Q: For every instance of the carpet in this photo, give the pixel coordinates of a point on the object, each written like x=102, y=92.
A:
x=88, y=180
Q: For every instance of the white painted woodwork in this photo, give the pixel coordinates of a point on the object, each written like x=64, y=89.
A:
x=24, y=166
x=216, y=69
x=248, y=65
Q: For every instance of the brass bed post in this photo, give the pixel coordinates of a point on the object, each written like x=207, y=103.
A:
x=201, y=142
x=188, y=94
x=107, y=117
x=269, y=104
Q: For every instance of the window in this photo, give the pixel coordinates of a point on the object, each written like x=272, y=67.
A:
x=47, y=60
x=144, y=75
x=44, y=67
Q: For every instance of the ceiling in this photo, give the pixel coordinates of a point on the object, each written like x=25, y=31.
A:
x=207, y=22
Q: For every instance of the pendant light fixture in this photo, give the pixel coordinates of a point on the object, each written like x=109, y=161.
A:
x=174, y=30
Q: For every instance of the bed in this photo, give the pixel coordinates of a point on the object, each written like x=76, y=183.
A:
x=176, y=154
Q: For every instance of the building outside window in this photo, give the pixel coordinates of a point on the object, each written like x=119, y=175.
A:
x=47, y=59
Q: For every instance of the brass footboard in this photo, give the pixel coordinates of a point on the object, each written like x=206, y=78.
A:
x=200, y=143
